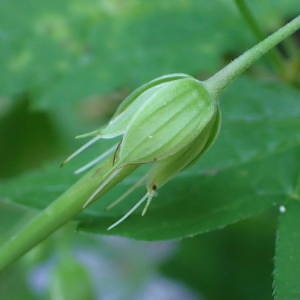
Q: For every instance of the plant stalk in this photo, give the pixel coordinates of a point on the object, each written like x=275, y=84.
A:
x=225, y=76
x=65, y=207
x=274, y=55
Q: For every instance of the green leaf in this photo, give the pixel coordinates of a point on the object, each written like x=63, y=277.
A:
x=70, y=280
x=14, y=284
x=12, y=218
x=241, y=254
x=197, y=203
x=287, y=258
x=63, y=52
x=27, y=137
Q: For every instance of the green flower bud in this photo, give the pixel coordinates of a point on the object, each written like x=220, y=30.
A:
x=170, y=122
x=170, y=118
x=129, y=106
x=166, y=169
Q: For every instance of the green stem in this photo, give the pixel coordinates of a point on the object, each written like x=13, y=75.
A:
x=221, y=79
x=275, y=57
x=58, y=213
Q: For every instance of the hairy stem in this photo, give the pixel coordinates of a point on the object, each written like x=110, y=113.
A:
x=221, y=79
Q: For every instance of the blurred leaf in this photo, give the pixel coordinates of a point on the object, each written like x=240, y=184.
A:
x=63, y=52
x=14, y=284
x=70, y=280
x=12, y=218
x=287, y=258
x=245, y=173
x=231, y=264
x=273, y=17
x=28, y=138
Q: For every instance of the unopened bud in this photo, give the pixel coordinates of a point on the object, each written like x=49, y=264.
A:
x=169, y=122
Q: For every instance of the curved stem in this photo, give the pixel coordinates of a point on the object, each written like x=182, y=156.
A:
x=274, y=55
x=65, y=207
x=221, y=79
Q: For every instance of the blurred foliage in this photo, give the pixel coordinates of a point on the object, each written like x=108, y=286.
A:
x=29, y=138
x=233, y=264
x=64, y=67
x=70, y=280
x=14, y=286
x=66, y=51
x=12, y=216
